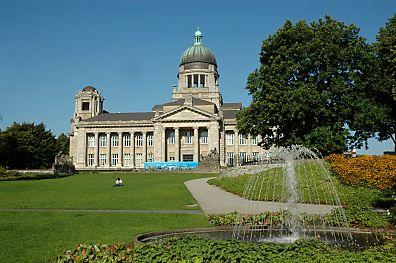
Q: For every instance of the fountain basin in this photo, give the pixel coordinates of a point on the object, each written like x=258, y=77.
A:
x=361, y=238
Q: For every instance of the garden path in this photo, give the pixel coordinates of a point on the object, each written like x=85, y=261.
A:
x=214, y=200
x=100, y=210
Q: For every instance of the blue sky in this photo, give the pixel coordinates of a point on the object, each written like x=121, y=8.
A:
x=130, y=49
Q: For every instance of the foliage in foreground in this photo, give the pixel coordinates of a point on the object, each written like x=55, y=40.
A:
x=197, y=249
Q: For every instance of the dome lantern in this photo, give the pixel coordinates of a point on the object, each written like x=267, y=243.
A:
x=198, y=37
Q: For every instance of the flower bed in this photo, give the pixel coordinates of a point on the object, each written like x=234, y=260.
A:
x=373, y=171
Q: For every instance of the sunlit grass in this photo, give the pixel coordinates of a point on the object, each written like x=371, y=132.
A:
x=39, y=236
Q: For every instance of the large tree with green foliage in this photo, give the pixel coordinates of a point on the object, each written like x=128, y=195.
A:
x=27, y=145
x=62, y=143
x=314, y=87
x=386, y=50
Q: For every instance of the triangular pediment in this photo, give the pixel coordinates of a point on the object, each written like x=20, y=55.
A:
x=186, y=113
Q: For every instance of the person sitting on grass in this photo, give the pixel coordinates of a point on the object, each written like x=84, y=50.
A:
x=119, y=182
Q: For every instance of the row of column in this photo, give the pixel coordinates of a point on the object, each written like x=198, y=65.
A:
x=120, y=149
x=177, y=144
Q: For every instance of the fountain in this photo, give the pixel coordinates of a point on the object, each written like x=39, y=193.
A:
x=292, y=197
x=300, y=184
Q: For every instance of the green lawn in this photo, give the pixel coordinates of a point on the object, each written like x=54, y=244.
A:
x=39, y=236
x=96, y=191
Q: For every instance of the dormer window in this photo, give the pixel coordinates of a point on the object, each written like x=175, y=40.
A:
x=85, y=106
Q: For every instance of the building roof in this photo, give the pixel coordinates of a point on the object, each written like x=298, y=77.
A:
x=131, y=116
x=230, y=114
x=232, y=105
x=195, y=101
x=198, y=52
x=157, y=107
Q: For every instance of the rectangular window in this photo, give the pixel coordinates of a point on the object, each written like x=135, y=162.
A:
x=139, y=159
x=127, y=159
x=187, y=158
x=114, y=159
x=189, y=81
x=85, y=106
x=230, y=158
x=242, y=139
x=171, y=158
x=195, y=80
x=242, y=157
x=230, y=138
x=254, y=140
x=150, y=157
x=204, y=137
x=114, y=140
x=127, y=140
x=255, y=156
x=90, y=159
x=91, y=140
x=103, y=141
x=171, y=137
x=102, y=159
x=150, y=139
x=139, y=140
x=188, y=138
x=201, y=80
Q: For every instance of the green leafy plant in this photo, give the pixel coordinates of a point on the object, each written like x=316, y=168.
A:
x=198, y=249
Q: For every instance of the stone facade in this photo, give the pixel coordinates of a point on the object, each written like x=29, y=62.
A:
x=194, y=124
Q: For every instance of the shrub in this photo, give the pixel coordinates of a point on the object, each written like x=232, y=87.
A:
x=392, y=215
x=3, y=171
x=235, y=218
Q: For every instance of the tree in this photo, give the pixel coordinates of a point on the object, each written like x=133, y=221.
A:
x=386, y=50
x=62, y=143
x=27, y=145
x=313, y=87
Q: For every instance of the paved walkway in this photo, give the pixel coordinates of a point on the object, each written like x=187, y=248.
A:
x=99, y=210
x=214, y=200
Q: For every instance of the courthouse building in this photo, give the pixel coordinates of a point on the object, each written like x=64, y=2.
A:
x=195, y=123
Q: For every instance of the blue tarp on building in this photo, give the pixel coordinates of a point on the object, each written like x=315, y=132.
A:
x=170, y=165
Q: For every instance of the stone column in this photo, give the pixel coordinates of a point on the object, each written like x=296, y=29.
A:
x=132, y=149
x=196, y=145
x=177, y=145
x=120, y=150
x=163, y=145
x=108, y=149
x=222, y=148
x=157, y=142
x=236, y=147
x=96, y=160
x=144, y=147
x=249, y=142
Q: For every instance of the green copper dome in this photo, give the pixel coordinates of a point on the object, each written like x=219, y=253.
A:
x=198, y=52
